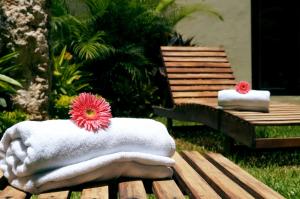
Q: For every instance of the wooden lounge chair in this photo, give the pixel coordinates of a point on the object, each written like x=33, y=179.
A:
x=209, y=175
x=195, y=75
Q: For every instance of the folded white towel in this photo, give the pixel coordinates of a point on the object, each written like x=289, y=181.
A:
x=254, y=100
x=37, y=156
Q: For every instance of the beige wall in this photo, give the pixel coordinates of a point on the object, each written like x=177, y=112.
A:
x=234, y=33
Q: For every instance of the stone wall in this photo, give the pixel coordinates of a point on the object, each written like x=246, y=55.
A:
x=26, y=22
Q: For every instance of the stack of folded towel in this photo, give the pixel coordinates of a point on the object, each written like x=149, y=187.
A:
x=39, y=156
x=254, y=100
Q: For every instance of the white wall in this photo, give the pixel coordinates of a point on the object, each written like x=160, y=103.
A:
x=234, y=33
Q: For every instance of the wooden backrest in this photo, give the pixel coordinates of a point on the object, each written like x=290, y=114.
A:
x=196, y=72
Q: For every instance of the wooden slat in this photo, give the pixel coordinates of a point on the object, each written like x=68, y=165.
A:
x=276, y=104
x=284, y=111
x=220, y=182
x=199, y=70
x=229, y=83
x=191, y=48
x=95, y=192
x=240, y=176
x=275, y=123
x=271, y=118
x=132, y=189
x=195, y=59
x=191, y=181
x=166, y=189
x=285, y=108
x=195, y=94
x=201, y=101
x=13, y=193
x=263, y=143
x=272, y=113
x=199, y=88
x=198, y=64
x=200, y=76
x=56, y=195
x=193, y=53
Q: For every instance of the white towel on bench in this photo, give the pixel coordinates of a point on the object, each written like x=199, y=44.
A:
x=254, y=100
x=37, y=156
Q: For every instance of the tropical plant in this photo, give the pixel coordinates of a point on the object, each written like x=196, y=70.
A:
x=85, y=41
x=7, y=68
x=7, y=119
x=120, y=40
x=68, y=79
x=62, y=107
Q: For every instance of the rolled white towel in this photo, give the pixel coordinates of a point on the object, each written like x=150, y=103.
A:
x=254, y=100
x=34, y=154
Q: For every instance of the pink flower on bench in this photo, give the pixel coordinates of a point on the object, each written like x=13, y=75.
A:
x=243, y=87
x=90, y=112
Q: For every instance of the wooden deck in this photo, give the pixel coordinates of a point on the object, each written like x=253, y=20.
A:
x=196, y=175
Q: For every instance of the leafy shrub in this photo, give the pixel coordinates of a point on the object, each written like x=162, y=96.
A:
x=67, y=81
x=7, y=119
x=62, y=107
x=119, y=42
x=68, y=78
x=8, y=68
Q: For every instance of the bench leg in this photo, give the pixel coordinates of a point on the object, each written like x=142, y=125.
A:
x=228, y=145
x=169, y=124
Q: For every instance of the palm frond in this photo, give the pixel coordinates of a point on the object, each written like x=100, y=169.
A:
x=6, y=82
x=89, y=48
x=8, y=57
x=58, y=7
x=177, y=13
x=163, y=5
x=97, y=7
x=132, y=60
x=10, y=80
x=11, y=67
x=6, y=87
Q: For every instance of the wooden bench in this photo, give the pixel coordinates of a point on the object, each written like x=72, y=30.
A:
x=195, y=75
x=208, y=175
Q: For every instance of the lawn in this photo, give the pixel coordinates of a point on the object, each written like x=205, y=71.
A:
x=279, y=169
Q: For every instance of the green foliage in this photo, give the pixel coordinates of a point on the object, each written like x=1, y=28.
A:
x=7, y=119
x=7, y=67
x=68, y=79
x=176, y=39
x=62, y=107
x=119, y=43
x=277, y=131
x=7, y=84
x=80, y=34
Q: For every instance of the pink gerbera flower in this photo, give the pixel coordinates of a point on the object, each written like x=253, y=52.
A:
x=243, y=87
x=90, y=112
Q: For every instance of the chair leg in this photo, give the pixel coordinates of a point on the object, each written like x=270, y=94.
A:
x=169, y=123
x=228, y=145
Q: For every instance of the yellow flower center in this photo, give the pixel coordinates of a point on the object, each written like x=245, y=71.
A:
x=90, y=113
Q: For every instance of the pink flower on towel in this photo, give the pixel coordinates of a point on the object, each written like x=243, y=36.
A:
x=90, y=112
x=243, y=87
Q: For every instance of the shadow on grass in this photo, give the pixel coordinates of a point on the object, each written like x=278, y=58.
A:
x=202, y=138
x=278, y=168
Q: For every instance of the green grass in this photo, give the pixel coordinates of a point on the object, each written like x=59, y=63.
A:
x=279, y=169
x=278, y=131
